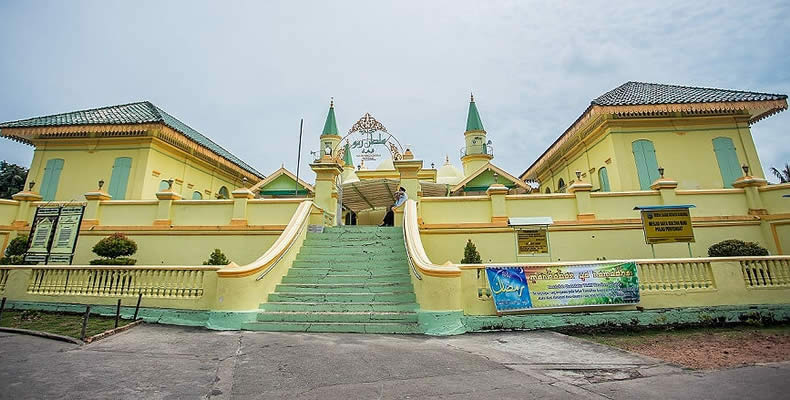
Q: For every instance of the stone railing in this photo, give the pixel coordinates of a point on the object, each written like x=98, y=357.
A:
x=766, y=273
x=119, y=281
x=663, y=275
x=3, y=279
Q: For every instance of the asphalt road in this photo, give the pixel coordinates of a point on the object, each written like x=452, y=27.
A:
x=166, y=362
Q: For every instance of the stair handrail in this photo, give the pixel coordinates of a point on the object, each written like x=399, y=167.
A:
x=280, y=247
x=415, y=250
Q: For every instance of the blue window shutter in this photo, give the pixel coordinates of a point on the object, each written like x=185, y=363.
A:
x=223, y=193
x=163, y=185
x=728, y=160
x=120, y=177
x=646, y=164
x=49, y=186
x=603, y=178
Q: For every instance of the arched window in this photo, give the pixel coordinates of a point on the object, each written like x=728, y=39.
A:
x=197, y=195
x=164, y=185
x=561, y=186
x=603, y=178
x=49, y=184
x=646, y=164
x=120, y=177
x=223, y=193
x=729, y=166
x=548, y=190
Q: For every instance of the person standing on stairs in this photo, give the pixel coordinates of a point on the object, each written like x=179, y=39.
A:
x=400, y=198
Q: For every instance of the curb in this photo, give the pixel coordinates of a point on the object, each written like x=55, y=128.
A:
x=111, y=332
x=45, y=335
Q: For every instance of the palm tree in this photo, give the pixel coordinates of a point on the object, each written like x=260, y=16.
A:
x=783, y=175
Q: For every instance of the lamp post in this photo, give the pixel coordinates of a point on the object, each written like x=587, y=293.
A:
x=661, y=172
x=101, y=183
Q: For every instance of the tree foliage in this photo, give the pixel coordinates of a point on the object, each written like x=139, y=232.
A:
x=471, y=255
x=736, y=248
x=114, y=250
x=783, y=175
x=15, y=251
x=12, y=179
x=216, y=258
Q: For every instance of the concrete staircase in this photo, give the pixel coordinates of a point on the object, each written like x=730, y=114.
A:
x=346, y=279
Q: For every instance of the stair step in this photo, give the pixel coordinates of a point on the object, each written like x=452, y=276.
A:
x=363, y=228
x=348, y=264
x=360, y=270
x=297, y=306
x=341, y=297
x=354, y=316
x=353, y=244
x=354, y=251
x=353, y=236
x=367, y=327
x=347, y=278
x=351, y=257
x=344, y=287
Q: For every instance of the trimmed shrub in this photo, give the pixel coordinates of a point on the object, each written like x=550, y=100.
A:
x=736, y=248
x=14, y=253
x=471, y=256
x=216, y=258
x=114, y=250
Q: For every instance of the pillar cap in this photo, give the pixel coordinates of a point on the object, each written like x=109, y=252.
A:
x=242, y=193
x=408, y=155
x=97, y=195
x=497, y=188
x=27, y=195
x=664, y=183
x=168, y=195
x=579, y=187
x=749, y=181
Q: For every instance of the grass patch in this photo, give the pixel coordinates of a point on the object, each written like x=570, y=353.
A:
x=628, y=337
x=66, y=324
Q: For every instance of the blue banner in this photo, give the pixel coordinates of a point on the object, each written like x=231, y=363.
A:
x=509, y=288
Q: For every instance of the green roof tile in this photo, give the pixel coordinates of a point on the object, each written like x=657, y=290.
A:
x=330, y=126
x=473, y=122
x=134, y=113
x=640, y=93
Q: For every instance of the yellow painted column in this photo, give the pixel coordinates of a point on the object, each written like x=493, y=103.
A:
x=163, y=212
x=25, y=199
x=326, y=171
x=92, y=215
x=584, y=208
x=496, y=193
x=750, y=185
x=240, y=198
x=408, y=168
x=666, y=188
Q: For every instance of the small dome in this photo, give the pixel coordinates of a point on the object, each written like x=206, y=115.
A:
x=449, y=174
x=386, y=165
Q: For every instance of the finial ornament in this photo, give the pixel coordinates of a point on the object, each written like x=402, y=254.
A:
x=331, y=102
x=472, y=97
x=446, y=159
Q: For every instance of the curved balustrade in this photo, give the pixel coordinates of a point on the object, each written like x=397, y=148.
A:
x=415, y=250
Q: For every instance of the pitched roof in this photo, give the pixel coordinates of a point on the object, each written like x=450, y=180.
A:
x=473, y=121
x=640, y=93
x=488, y=166
x=282, y=171
x=330, y=126
x=133, y=113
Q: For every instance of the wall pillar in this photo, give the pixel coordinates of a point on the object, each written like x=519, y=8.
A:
x=750, y=185
x=496, y=193
x=408, y=168
x=666, y=188
x=163, y=212
x=240, y=198
x=25, y=199
x=584, y=208
x=326, y=171
x=92, y=215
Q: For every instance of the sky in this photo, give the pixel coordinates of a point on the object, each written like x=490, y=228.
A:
x=244, y=73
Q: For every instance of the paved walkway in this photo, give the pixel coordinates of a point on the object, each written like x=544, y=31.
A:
x=165, y=362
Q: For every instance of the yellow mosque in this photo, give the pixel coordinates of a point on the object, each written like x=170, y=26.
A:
x=643, y=161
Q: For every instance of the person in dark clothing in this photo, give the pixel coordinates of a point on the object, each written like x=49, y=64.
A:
x=400, y=198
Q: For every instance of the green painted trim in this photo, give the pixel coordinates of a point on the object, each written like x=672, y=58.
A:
x=656, y=317
x=676, y=130
x=282, y=192
x=215, y=320
x=441, y=323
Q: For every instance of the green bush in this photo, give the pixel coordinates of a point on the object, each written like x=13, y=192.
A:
x=114, y=261
x=736, y=248
x=14, y=253
x=471, y=256
x=114, y=250
x=216, y=258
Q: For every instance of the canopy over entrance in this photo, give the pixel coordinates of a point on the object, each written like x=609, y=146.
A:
x=379, y=194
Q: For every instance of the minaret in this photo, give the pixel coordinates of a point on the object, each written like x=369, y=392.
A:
x=329, y=136
x=477, y=151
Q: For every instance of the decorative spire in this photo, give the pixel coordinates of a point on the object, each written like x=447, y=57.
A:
x=446, y=159
x=472, y=97
x=347, y=155
x=330, y=126
x=473, y=122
